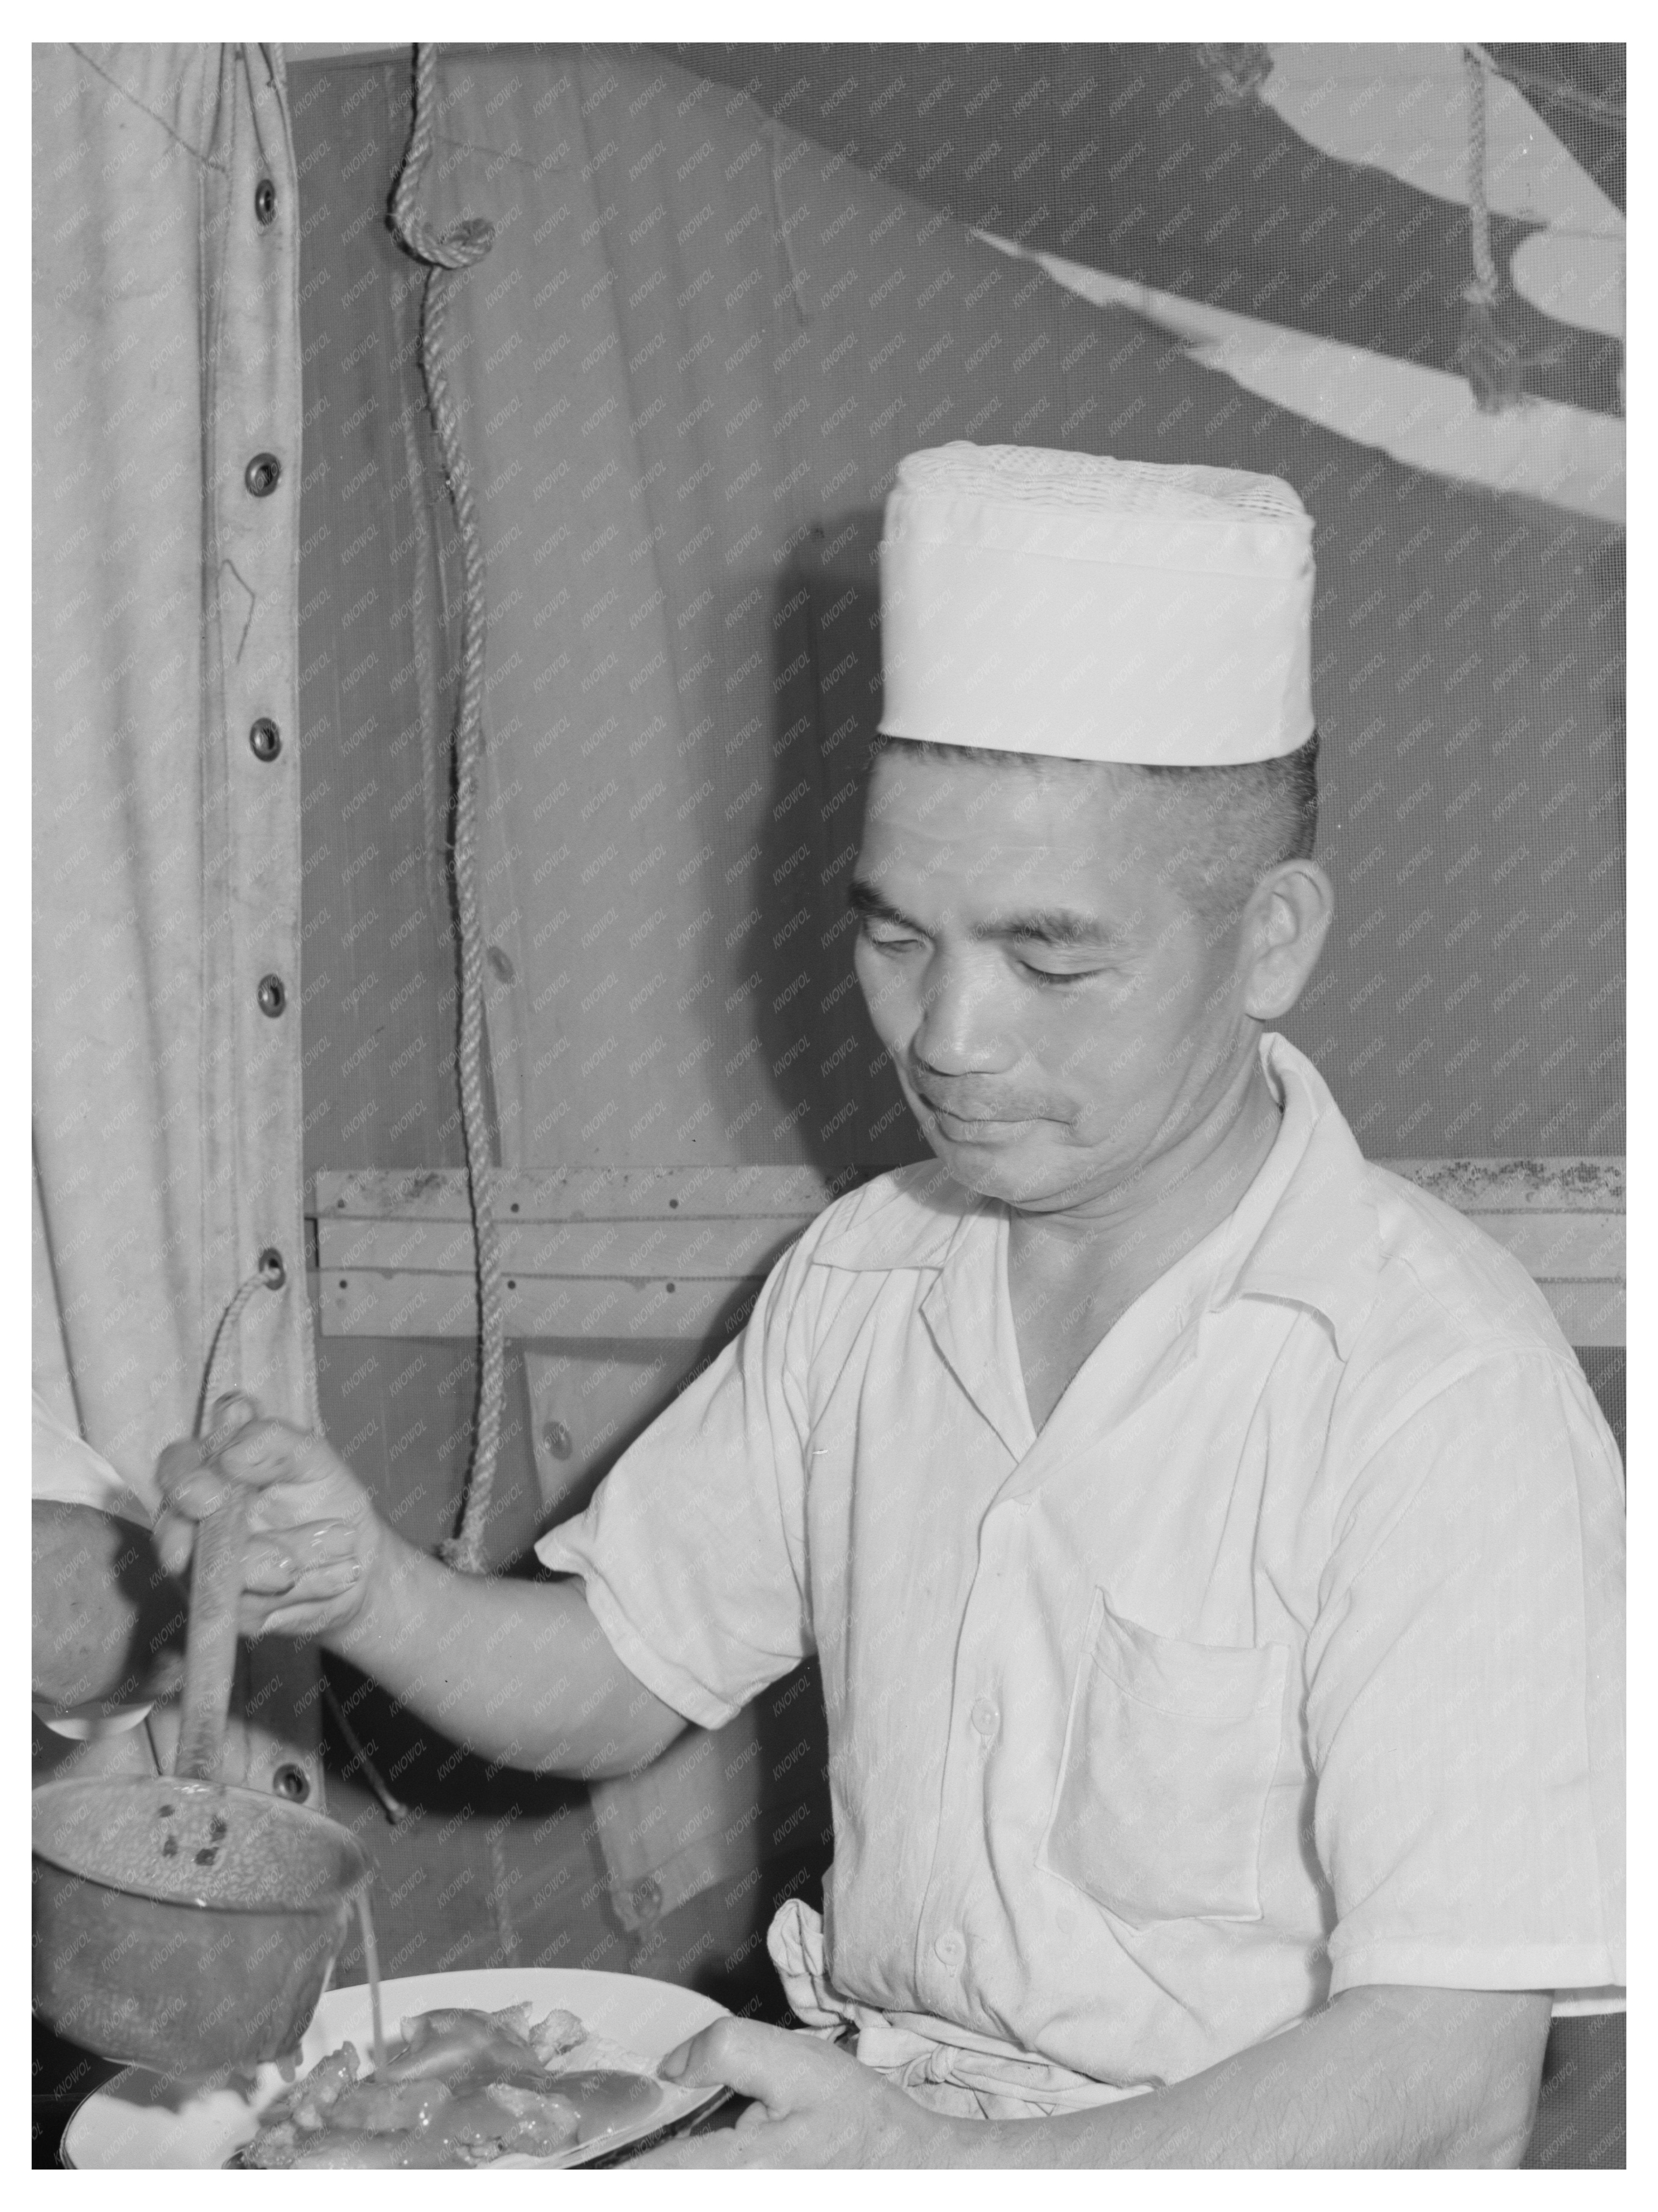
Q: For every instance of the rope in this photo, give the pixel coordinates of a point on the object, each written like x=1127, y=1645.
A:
x=446, y=258
x=394, y=1808
x=785, y=228
x=221, y=1339
x=1488, y=356
x=1485, y=285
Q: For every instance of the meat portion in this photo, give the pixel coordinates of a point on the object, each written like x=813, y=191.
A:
x=441, y=2046
x=461, y=2088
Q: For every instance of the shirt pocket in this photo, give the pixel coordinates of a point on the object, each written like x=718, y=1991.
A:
x=1169, y=1754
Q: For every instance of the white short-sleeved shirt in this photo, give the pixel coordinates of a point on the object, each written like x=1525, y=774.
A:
x=1287, y=1658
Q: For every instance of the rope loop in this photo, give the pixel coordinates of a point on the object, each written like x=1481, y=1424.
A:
x=467, y=242
x=1487, y=353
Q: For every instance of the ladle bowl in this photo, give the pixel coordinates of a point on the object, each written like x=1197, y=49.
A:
x=185, y=1926
x=189, y=1925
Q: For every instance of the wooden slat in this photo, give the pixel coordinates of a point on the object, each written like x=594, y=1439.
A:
x=1569, y=1246
x=370, y=1303
x=1475, y=1187
x=1547, y=1186
x=676, y=1249
x=586, y=1193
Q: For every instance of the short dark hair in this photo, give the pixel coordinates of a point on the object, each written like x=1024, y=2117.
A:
x=1231, y=824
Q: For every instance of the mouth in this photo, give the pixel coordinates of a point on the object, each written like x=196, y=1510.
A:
x=973, y=1128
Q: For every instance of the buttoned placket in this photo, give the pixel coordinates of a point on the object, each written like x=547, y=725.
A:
x=968, y=1313
x=968, y=1316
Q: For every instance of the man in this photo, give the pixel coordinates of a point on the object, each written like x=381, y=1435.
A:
x=1210, y=1544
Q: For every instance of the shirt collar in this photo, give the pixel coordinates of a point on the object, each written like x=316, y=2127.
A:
x=1304, y=1232
x=909, y=1219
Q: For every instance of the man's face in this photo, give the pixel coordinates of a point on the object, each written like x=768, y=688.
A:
x=1055, y=1016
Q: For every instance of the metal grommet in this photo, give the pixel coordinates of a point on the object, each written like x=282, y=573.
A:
x=262, y=475
x=557, y=1440
x=264, y=200
x=273, y=1269
x=265, y=738
x=273, y=995
x=291, y=1782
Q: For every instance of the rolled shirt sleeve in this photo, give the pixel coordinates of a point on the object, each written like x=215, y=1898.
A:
x=693, y=1550
x=1465, y=1707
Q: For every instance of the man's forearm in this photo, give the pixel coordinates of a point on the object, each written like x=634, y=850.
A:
x=1382, y=2077
x=518, y=1671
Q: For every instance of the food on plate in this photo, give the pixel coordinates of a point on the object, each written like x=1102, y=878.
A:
x=459, y=2088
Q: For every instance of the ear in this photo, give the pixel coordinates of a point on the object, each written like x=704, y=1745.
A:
x=1284, y=926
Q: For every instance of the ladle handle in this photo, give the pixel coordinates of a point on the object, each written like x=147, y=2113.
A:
x=216, y=1593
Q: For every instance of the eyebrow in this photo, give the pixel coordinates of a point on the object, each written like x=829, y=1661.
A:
x=1055, y=925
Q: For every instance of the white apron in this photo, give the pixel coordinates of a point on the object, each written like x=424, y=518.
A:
x=946, y=2067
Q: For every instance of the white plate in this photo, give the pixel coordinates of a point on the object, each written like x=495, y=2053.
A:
x=141, y=2122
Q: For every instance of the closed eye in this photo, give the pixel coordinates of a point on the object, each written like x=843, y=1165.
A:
x=1052, y=979
x=1028, y=954
x=883, y=936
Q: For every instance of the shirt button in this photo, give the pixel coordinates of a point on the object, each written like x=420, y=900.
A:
x=951, y=1948
x=985, y=1715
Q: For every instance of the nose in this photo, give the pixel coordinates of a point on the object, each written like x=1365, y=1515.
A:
x=960, y=1032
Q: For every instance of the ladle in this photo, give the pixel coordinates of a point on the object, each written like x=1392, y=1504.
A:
x=189, y=1926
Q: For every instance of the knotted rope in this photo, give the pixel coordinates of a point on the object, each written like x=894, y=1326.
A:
x=1236, y=72
x=1488, y=356
x=446, y=258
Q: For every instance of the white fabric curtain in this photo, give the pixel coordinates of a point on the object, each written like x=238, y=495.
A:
x=166, y=1114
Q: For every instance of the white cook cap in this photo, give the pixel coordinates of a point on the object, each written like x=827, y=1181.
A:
x=1040, y=602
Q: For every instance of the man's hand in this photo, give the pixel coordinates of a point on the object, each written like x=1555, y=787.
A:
x=313, y=1534
x=813, y=2106
x=520, y=1671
